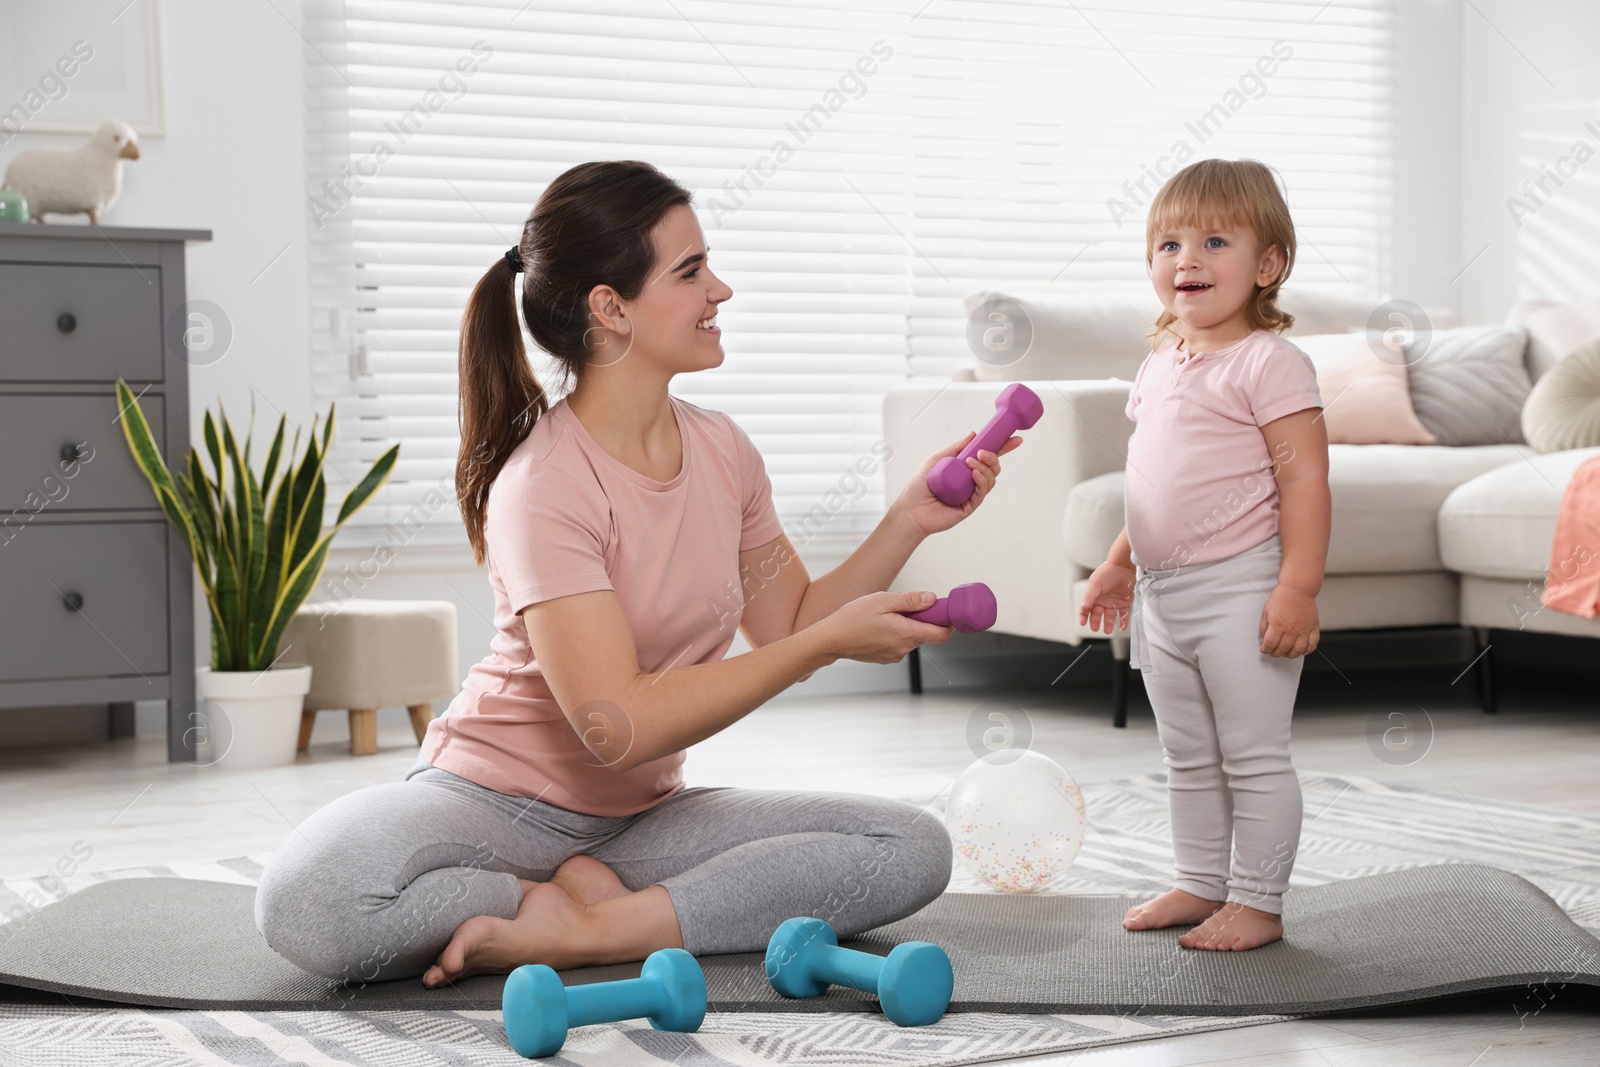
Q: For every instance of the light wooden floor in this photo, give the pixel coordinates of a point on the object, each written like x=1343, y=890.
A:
x=125, y=802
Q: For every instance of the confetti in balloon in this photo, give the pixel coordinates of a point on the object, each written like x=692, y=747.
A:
x=1016, y=823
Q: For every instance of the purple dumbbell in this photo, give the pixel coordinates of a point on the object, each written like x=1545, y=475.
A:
x=969, y=608
x=1018, y=409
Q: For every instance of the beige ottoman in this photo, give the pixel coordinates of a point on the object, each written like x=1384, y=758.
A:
x=371, y=654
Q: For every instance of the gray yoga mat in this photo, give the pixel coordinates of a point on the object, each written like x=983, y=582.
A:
x=1386, y=939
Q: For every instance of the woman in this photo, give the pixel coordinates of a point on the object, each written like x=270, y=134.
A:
x=626, y=534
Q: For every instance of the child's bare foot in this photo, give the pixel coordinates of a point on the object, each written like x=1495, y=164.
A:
x=1235, y=927
x=1172, y=908
x=547, y=927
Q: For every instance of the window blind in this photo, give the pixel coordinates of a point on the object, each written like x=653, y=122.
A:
x=858, y=167
x=1041, y=131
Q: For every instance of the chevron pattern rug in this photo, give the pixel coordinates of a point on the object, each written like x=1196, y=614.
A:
x=1353, y=827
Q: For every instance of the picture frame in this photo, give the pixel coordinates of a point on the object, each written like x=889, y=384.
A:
x=70, y=67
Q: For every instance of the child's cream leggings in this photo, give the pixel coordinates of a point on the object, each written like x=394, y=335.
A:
x=1222, y=710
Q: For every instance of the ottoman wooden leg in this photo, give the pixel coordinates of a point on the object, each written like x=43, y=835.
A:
x=363, y=731
x=308, y=719
x=421, y=716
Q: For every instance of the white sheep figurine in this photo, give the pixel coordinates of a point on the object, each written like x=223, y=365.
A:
x=84, y=180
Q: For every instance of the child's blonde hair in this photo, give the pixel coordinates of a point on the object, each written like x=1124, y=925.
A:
x=1226, y=194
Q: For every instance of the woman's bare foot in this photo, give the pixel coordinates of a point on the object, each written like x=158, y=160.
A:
x=588, y=878
x=1172, y=908
x=547, y=928
x=1235, y=927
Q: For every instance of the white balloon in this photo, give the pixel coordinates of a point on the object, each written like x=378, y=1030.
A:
x=1016, y=820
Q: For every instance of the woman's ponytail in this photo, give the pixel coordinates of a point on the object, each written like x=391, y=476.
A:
x=500, y=397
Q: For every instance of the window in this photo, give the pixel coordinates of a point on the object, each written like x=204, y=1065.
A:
x=858, y=167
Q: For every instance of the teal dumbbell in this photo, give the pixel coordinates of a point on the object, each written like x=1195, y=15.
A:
x=538, y=1010
x=913, y=983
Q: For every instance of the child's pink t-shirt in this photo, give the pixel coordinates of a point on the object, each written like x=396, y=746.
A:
x=564, y=516
x=1200, y=483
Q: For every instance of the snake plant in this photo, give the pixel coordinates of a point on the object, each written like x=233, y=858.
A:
x=257, y=543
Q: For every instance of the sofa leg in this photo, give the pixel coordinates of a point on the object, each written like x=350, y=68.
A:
x=1484, y=650
x=1119, y=682
x=915, y=661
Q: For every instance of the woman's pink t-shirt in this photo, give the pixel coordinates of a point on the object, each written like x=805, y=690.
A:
x=1200, y=483
x=564, y=516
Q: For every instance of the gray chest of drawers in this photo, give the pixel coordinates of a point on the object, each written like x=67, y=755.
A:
x=95, y=587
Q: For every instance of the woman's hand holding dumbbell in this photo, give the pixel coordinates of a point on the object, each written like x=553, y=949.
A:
x=876, y=628
x=883, y=627
x=926, y=513
x=951, y=484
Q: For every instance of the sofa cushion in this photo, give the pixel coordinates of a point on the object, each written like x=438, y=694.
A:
x=1501, y=524
x=1366, y=400
x=1563, y=410
x=1555, y=330
x=1386, y=502
x=1469, y=385
x=1025, y=337
x=1013, y=337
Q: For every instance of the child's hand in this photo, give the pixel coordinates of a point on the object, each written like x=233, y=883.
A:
x=1289, y=623
x=926, y=512
x=1108, y=598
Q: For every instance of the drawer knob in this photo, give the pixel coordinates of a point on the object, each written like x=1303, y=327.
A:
x=73, y=601
x=66, y=322
x=71, y=452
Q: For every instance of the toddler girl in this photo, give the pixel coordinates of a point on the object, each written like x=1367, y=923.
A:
x=1222, y=556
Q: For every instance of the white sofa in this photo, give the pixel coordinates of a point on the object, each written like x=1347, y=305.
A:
x=1422, y=535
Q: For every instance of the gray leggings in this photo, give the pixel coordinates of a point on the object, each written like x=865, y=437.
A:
x=371, y=886
x=1223, y=709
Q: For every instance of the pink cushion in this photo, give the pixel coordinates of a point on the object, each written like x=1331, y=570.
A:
x=1366, y=400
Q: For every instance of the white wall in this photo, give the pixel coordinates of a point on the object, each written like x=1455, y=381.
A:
x=1426, y=207
x=1530, y=82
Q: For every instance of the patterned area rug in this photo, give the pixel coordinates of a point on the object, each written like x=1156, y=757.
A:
x=1353, y=827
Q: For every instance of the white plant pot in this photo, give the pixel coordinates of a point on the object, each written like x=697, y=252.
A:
x=249, y=719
